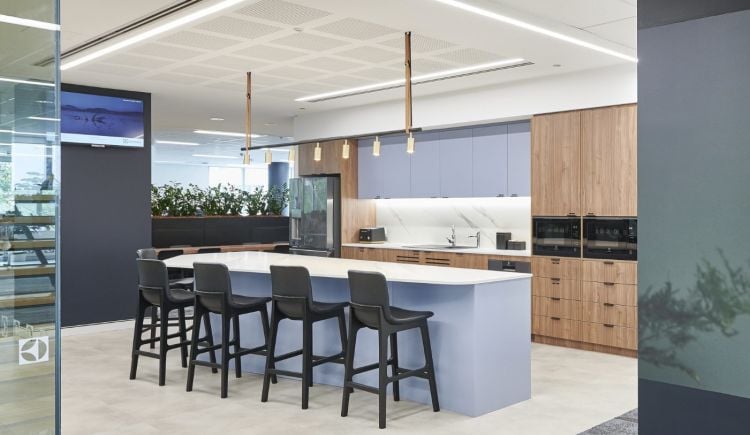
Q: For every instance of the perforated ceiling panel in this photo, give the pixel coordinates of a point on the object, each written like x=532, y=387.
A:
x=199, y=40
x=419, y=44
x=238, y=28
x=118, y=70
x=235, y=63
x=470, y=56
x=166, y=51
x=282, y=12
x=309, y=41
x=330, y=64
x=294, y=72
x=344, y=81
x=266, y=52
x=175, y=78
x=423, y=66
x=381, y=74
x=371, y=54
x=208, y=72
x=355, y=29
x=138, y=61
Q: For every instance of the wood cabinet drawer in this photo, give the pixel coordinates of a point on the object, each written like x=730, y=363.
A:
x=356, y=253
x=436, y=258
x=403, y=256
x=610, y=293
x=349, y=252
x=610, y=314
x=554, y=267
x=556, y=288
x=609, y=335
x=556, y=327
x=618, y=272
x=555, y=307
x=470, y=261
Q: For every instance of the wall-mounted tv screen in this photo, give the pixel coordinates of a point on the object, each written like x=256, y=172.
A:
x=101, y=119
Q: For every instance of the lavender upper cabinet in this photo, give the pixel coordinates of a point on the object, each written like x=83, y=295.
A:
x=396, y=167
x=490, y=161
x=519, y=159
x=369, y=171
x=456, y=164
x=425, y=177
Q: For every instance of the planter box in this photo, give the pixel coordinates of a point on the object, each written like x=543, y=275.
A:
x=169, y=231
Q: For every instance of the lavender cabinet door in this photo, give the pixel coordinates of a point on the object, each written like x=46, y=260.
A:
x=490, y=160
x=456, y=164
x=519, y=159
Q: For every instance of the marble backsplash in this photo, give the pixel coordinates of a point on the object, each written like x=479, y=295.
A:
x=428, y=220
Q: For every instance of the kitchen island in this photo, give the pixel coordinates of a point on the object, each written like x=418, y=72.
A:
x=481, y=331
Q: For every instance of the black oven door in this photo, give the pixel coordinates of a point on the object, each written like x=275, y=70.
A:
x=559, y=237
x=610, y=238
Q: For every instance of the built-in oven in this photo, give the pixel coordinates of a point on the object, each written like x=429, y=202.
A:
x=556, y=236
x=614, y=238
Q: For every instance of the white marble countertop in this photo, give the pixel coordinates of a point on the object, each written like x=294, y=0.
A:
x=259, y=262
x=410, y=247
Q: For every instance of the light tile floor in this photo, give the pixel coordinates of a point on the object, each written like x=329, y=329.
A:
x=572, y=391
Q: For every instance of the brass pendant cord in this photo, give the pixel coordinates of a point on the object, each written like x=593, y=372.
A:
x=407, y=84
x=248, y=120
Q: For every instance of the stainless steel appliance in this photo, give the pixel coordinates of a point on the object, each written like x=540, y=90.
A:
x=372, y=235
x=315, y=216
x=556, y=236
x=509, y=266
x=614, y=238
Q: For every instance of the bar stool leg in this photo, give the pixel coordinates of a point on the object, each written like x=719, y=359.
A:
x=306, y=359
x=194, y=347
x=183, y=337
x=394, y=366
x=163, y=325
x=224, y=355
x=137, y=336
x=271, y=352
x=209, y=337
x=237, y=358
x=349, y=365
x=342, y=332
x=264, y=323
x=430, y=367
x=382, y=376
x=154, y=319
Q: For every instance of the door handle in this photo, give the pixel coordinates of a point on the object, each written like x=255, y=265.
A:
x=555, y=318
x=607, y=304
x=609, y=263
x=555, y=299
x=609, y=325
x=608, y=284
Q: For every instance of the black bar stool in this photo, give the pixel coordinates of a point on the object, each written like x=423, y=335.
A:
x=370, y=308
x=293, y=299
x=213, y=294
x=155, y=292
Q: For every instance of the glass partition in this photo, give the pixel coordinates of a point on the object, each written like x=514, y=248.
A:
x=29, y=185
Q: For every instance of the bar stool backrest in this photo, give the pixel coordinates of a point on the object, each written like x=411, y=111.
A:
x=292, y=289
x=369, y=293
x=213, y=285
x=147, y=254
x=153, y=280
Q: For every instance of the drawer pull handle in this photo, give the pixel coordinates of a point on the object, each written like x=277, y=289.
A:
x=555, y=318
x=609, y=263
x=555, y=299
x=607, y=304
x=608, y=283
x=555, y=279
x=609, y=325
x=555, y=261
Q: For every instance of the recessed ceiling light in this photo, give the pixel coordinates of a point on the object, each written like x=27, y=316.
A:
x=225, y=133
x=217, y=119
x=176, y=142
x=29, y=23
x=456, y=72
x=536, y=29
x=27, y=82
x=215, y=156
x=151, y=33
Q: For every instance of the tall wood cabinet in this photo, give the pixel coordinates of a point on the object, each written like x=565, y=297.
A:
x=608, y=157
x=556, y=164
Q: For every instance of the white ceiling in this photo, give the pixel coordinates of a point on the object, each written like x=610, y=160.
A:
x=301, y=47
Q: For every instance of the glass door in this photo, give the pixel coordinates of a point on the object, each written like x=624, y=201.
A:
x=29, y=185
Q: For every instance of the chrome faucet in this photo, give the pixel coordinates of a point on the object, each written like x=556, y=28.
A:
x=476, y=237
x=452, y=238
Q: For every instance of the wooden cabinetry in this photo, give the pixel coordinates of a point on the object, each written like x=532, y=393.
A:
x=555, y=164
x=609, y=159
x=430, y=258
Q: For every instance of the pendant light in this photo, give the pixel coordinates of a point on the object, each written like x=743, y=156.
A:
x=376, y=147
x=318, y=152
x=248, y=138
x=269, y=156
x=345, y=150
x=407, y=96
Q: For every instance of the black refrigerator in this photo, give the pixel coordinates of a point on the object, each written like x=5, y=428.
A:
x=315, y=216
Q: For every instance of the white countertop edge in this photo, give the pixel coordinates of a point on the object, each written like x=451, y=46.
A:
x=482, y=251
x=337, y=268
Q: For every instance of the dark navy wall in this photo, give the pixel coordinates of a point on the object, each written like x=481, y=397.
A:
x=105, y=217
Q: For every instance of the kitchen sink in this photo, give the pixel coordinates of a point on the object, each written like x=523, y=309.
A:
x=439, y=247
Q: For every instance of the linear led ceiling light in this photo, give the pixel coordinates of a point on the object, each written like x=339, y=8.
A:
x=151, y=33
x=214, y=156
x=29, y=23
x=225, y=133
x=536, y=29
x=176, y=142
x=424, y=78
x=26, y=82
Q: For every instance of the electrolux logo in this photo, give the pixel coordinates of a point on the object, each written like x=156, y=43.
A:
x=33, y=350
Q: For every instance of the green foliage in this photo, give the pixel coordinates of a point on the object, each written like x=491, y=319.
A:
x=191, y=200
x=670, y=319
